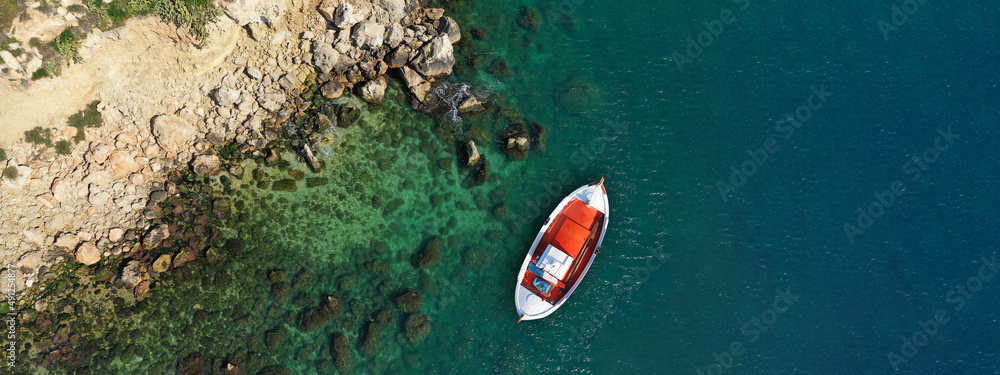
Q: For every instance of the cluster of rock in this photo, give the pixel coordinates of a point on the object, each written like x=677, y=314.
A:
x=79, y=206
x=368, y=39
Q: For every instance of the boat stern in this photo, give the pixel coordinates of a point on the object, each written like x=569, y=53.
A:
x=530, y=306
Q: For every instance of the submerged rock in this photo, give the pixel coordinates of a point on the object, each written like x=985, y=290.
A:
x=475, y=258
x=321, y=315
x=193, y=364
x=418, y=327
x=579, y=94
x=529, y=18
x=480, y=172
x=275, y=337
x=373, y=91
x=155, y=236
x=286, y=184
x=409, y=301
x=303, y=280
x=472, y=154
x=343, y=358
x=430, y=254
x=281, y=292
x=275, y=370
x=206, y=164
x=370, y=339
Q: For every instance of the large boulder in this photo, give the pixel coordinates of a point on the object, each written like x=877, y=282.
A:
x=417, y=85
x=63, y=189
x=121, y=163
x=399, y=56
x=394, y=35
x=332, y=89
x=156, y=236
x=368, y=35
x=226, y=97
x=389, y=11
x=88, y=254
x=343, y=15
x=436, y=57
x=206, y=164
x=245, y=12
x=172, y=132
x=449, y=26
x=372, y=91
x=133, y=274
x=472, y=154
x=325, y=58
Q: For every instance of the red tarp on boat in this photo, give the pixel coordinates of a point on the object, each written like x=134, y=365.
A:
x=581, y=213
x=571, y=237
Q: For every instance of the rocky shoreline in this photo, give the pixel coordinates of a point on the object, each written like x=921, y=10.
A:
x=97, y=202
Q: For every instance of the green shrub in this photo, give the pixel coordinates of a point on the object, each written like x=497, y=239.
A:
x=194, y=14
x=10, y=173
x=89, y=117
x=76, y=8
x=67, y=46
x=62, y=147
x=39, y=74
x=3, y=154
x=39, y=136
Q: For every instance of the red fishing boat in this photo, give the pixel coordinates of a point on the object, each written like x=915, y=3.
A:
x=562, y=252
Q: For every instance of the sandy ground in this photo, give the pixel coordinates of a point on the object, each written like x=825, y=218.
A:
x=144, y=54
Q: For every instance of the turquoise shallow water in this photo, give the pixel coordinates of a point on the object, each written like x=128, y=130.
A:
x=761, y=278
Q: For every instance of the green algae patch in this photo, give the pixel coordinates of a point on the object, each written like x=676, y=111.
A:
x=286, y=184
x=316, y=181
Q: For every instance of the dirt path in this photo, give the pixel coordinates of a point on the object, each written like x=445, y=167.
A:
x=145, y=55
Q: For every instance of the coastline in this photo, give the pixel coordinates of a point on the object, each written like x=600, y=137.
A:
x=259, y=71
x=78, y=216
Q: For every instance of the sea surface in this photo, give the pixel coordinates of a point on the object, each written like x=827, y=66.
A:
x=796, y=187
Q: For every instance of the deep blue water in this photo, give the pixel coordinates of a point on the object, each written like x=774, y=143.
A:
x=674, y=135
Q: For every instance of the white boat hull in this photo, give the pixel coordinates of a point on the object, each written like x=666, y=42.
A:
x=531, y=306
